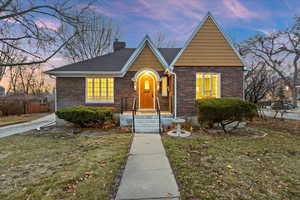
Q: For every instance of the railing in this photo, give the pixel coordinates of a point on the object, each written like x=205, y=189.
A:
x=133, y=114
x=158, y=113
x=126, y=103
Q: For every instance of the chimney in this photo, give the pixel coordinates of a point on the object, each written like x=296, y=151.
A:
x=118, y=45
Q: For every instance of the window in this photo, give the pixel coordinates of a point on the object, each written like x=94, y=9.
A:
x=147, y=85
x=100, y=90
x=207, y=85
x=164, y=86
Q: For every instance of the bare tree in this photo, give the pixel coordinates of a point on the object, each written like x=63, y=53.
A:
x=161, y=41
x=27, y=80
x=30, y=33
x=259, y=82
x=95, y=36
x=278, y=51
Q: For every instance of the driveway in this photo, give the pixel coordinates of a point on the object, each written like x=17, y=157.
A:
x=27, y=126
x=295, y=116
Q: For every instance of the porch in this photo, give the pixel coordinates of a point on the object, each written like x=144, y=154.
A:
x=146, y=121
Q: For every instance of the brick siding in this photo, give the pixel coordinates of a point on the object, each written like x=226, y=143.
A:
x=71, y=92
x=231, y=86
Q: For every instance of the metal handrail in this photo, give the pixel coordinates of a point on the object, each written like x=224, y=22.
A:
x=158, y=113
x=133, y=114
x=124, y=104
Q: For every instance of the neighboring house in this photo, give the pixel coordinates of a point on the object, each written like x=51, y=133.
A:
x=207, y=66
x=272, y=95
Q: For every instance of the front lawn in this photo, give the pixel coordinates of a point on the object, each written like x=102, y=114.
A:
x=56, y=165
x=282, y=125
x=225, y=167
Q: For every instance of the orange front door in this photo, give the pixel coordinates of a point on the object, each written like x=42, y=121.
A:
x=147, y=85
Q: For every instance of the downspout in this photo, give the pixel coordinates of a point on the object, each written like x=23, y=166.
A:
x=55, y=100
x=175, y=94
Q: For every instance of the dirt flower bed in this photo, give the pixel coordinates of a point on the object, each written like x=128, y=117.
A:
x=55, y=164
x=286, y=125
x=225, y=167
x=196, y=132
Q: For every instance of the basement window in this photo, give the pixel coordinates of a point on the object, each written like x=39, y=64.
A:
x=99, y=90
x=207, y=85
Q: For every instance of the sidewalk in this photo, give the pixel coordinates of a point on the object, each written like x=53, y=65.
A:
x=147, y=174
x=289, y=115
x=27, y=126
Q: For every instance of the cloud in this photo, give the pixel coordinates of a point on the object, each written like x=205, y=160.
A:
x=239, y=10
x=50, y=24
x=267, y=31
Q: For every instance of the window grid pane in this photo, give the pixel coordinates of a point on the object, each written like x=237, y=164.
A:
x=100, y=89
x=207, y=85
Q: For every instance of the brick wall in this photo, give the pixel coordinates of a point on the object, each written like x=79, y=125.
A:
x=231, y=86
x=71, y=92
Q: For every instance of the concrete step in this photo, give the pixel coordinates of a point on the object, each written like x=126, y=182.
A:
x=146, y=122
x=147, y=130
x=146, y=116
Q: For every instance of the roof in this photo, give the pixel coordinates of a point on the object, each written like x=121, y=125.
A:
x=145, y=42
x=118, y=62
x=111, y=62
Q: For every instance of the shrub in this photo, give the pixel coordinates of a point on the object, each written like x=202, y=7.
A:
x=85, y=115
x=225, y=111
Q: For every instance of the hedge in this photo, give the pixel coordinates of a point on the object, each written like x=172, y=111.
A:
x=84, y=115
x=224, y=111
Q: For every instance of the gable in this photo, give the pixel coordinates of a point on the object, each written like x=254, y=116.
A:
x=146, y=59
x=208, y=47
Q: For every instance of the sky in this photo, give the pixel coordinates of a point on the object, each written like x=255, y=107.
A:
x=240, y=19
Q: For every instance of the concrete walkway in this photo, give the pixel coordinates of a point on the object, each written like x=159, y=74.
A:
x=27, y=126
x=147, y=174
x=295, y=116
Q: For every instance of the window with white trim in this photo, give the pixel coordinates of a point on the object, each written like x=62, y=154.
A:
x=100, y=90
x=207, y=85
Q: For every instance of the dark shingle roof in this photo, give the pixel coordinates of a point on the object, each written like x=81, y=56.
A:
x=112, y=61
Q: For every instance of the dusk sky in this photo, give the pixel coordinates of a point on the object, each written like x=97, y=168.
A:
x=177, y=18
x=240, y=19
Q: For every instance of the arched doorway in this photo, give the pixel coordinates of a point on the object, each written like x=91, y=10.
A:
x=147, y=90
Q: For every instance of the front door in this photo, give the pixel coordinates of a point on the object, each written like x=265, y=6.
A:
x=147, y=92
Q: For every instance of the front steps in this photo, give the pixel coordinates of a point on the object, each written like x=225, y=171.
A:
x=146, y=122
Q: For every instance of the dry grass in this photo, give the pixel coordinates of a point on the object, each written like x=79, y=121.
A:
x=56, y=165
x=281, y=125
x=15, y=119
x=226, y=167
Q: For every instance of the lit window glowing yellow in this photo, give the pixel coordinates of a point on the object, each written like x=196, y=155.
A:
x=207, y=85
x=100, y=90
x=164, y=86
x=147, y=85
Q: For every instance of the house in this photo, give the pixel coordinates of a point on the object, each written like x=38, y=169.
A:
x=150, y=79
x=285, y=84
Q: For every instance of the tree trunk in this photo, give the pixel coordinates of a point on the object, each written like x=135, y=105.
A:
x=294, y=96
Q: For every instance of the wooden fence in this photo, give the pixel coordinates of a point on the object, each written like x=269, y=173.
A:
x=36, y=107
x=23, y=107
